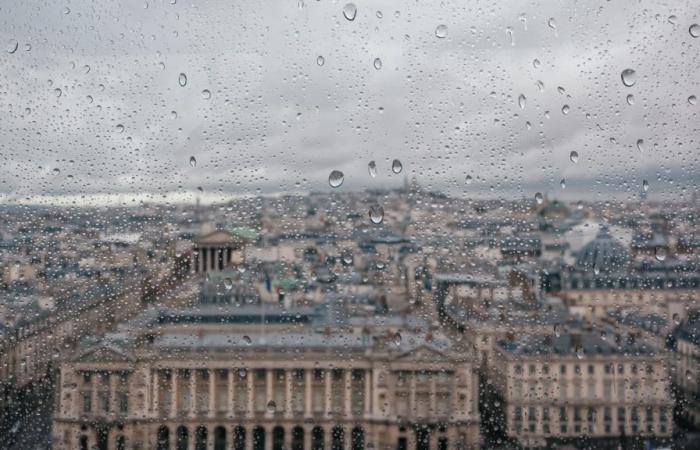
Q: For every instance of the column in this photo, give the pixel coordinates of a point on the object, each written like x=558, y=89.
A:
x=268, y=437
x=251, y=405
x=193, y=392
x=348, y=393
x=307, y=437
x=93, y=394
x=212, y=259
x=308, y=401
x=113, y=393
x=288, y=374
x=173, y=393
x=231, y=390
x=249, y=437
x=433, y=393
x=327, y=379
x=368, y=392
x=203, y=259
x=412, y=394
x=212, y=393
x=269, y=392
x=156, y=394
x=195, y=261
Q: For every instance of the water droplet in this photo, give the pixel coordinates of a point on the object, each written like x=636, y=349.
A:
x=396, y=166
x=579, y=352
x=58, y=92
x=379, y=15
x=640, y=145
x=561, y=90
x=27, y=47
x=350, y=11
x=397, y=339
x=193, y=161
x=12, y=46
x=377, y=63
x=336, y=178
x=694, y=30
x=660, y=253
x=372, y=169
x=672, y=19
x=66, y=10
x=228, y=283
x=89, y=98
x=536, y=63
x=603, y=335
x=693, y=100
x=573, y=156
x=247, y=340
x=630, y=99
x=206, y=94
x=56, y=170
x=676, y=319
x=441, y=31
x=557, y=331
x=376, y=214
x=540, y=85
x=562, y=183
x=629, y=77
x=271, y=406
x=596, y=269
x=522, y=101
x=320, y=60
x=469, y=179
x=551, y=23
x=565, y=109
x=182, y=79
x=645, y=185
x=539, y=198
x=120, y=128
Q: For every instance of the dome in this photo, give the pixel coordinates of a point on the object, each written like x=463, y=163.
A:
x=603, y=254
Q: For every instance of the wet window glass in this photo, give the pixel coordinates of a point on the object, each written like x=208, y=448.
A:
x=349, y=225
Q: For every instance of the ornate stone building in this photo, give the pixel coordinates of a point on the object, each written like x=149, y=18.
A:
x=278, y=385
x=583, y=385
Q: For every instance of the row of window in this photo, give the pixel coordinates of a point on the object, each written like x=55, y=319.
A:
x=608, y=369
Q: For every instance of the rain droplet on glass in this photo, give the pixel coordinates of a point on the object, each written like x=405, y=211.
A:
x=350, y=11
x=336, y=178
x=441, y=31
x=396, y=166
x=320, y=60
x=630, y=99
x=182, y=79
x=640, y=145
x=629, y=77
x=206, y=94
x=193, y=161
x=12, y=46
x=372, y=169
x=694, y=30
x=539, y=198
x=376, y=214
x=522, y=101
x=573, y=156
x=377, y=63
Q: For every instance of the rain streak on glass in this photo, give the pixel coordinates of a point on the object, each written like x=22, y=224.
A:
x=640, y=145
x=336, y=178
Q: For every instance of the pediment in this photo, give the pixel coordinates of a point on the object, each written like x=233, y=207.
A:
x=421, y=353
x=105, y=353
x=216, y=237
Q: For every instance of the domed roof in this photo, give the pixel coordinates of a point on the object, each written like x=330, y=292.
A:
x=603, y=254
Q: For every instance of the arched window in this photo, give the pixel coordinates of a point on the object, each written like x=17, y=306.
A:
x=84, y=443
x=297, y=438
x=120, y=443
x=317, y=438
x=163, y=438
x=338, y=439
x=358, y=438
x=219, y=438
x=200, y=442
x=278, y=438
x=259, y=438
x=239, y=438
x=182, y=438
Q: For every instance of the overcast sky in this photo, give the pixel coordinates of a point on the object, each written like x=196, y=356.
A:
x=91, y=104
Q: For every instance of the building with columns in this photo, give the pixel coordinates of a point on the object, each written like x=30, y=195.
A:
x=219, y=249
x=275, y=385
